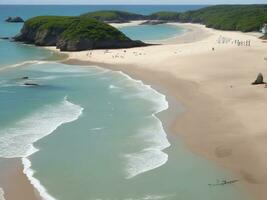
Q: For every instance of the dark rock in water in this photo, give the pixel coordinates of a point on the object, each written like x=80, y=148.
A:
x=74, y=34
x=14, y=20
x=153, y=22
x=31, y=84
x=4, y=38
x=259, y=80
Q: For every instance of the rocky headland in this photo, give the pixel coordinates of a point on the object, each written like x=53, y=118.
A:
x=73, y=34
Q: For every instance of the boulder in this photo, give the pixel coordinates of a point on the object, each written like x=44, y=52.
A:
x=4, y=38
x=259, y=80
x=31, y=84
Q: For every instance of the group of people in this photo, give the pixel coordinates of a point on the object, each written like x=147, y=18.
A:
x=226, y=40
x=117, y=55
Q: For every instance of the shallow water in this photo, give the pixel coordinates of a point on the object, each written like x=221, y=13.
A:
x=153, y=32
x=102, y=138
x=91, y=133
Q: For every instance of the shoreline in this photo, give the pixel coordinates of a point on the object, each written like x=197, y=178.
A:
x=13, y=172
x=222, y=135
x=219, y=98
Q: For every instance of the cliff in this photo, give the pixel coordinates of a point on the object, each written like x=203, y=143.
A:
x=73, y=34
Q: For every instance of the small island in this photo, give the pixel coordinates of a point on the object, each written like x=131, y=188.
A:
x=73, y=34
x=14, y=20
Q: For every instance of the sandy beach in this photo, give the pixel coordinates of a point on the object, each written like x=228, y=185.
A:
x=224, y=114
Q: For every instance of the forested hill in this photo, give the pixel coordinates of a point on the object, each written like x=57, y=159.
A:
x=243, y=18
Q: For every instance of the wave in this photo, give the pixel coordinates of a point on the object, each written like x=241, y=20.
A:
x=154, y=137
x=35, y=182
x=97, y=129
x=21, y=64
x=151, y=197
x=2, y=193
x=18, y=141
x=151, y=157
x=60, y=69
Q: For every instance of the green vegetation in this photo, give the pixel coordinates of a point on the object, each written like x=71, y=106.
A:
x=47, y=22
x=113, y=16
x=168, y=16
x=75, y=28
x=243, y=18
x=73, y=34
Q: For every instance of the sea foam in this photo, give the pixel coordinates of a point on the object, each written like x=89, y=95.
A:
x=154, y=136
x=21, y=64
x=18, y=140
x=2, y=193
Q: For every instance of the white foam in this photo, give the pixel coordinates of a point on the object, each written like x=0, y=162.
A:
x=151, y=197
x=35, y=182
x=21, y=64
x=2, y=193
x=113, y=87
x=146, y=197
x=18, y=141
x=154, y=137
x=146, y=92
x=97, y=129
x=60, y=69
x=151, y=157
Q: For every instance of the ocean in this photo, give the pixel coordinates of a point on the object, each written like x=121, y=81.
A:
x=90, y=133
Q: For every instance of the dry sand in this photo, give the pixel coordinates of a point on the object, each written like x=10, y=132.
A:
x=224, y=120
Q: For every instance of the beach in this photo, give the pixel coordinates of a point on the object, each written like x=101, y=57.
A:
x=224, y=114
x=210, y=75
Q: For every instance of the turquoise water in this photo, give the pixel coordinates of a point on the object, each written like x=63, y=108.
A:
x=89, y=133
x=153, y=32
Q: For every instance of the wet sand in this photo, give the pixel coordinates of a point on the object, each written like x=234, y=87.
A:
x=14, y=182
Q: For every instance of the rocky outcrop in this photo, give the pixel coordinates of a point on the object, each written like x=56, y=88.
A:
x=153, y=22
x=31, y=84
x=74, y=34
x=5, y=38
x=14, y=20
x=259, y=80
x=39, y=37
